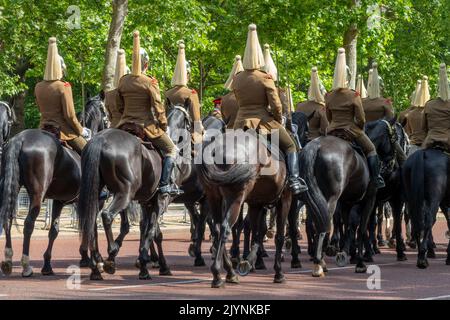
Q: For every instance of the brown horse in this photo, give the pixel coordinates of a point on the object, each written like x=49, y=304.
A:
x=236, y=168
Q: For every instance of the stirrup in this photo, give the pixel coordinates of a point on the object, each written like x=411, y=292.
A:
x=169, y=189
x=297, y=186
x=379, y=182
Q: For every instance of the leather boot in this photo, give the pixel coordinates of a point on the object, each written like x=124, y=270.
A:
x=296, y=184
x=165, y=185
x=374, y=169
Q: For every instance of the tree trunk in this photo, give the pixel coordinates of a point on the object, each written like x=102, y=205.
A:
x=120, y=11
x=350, y=46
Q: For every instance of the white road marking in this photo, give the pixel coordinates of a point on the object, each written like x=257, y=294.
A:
x=436, y=298
x=3, y=295
x=148, y=285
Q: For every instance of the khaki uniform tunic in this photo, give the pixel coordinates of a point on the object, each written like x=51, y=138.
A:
x=178, y=95
x=255, y=91
x=414, y=126
x=378, y=108
x=139, y=100
x=114, y=114
x=436, y=123
x=318, y=123
x=55, y=102
x=229, y=108
x=344, y=111
x=402, y=117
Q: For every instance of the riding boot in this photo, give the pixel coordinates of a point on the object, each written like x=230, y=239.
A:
x=296, y=184
x=165, y=185
x=374, y=169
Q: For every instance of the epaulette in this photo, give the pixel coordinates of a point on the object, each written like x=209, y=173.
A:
x=388, y=101
x=193, y=91
x=67, y=84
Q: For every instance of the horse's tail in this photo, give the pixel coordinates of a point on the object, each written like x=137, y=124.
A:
x=234, y=174
x=88, y=203
x=417, y=187
x=10, y=182
x=314, y=195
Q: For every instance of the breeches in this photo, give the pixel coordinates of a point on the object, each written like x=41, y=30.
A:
x=366, y=145
x=286, y=143
x=77, y=144
x=165, y=145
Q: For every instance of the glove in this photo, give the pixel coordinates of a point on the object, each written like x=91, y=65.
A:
x=198, y=127
x=87, y=133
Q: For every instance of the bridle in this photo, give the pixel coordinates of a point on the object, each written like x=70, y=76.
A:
x=388, y=164
x=187, y=116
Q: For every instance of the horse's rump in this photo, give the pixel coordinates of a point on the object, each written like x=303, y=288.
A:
x=137, y=131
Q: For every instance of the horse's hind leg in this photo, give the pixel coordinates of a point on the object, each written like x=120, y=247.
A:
x=293, y=233
x=236, y=231
x=164, y=269
x=33, y=212
x=397, y=205
x=253, y=215
x=52, y=234
x=247, y=236
x=282, y=214
x=7, y=263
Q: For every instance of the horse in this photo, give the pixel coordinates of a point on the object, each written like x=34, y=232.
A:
x=7, y=118
x=119, y=161
x=338, y=179
x=36, y=160
x=235, y=168
x=93, y=116
x=179, y=126
x=426, y=180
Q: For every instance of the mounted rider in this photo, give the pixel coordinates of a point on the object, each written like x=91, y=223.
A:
x=315, y=104
x=139, y=100
x=375, y=106
x=255, y=91
x=180, y=92
x=402, y=115
x=55, y=101
x=229, y=105
x=414, y=118
x=436, y=115
x=345, y=112
x=114, y=114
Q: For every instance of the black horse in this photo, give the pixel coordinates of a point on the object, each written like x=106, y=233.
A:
x=36, y=160
x=426, y=179
x=119, y=161
x=338, y=178
x=7, y=118
x=93, y=116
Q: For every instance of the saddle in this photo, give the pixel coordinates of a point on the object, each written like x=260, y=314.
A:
x=56, y=132
x=137, y=131
x=346, y=135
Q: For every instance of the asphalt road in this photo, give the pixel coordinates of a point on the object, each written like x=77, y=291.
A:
x=398, y=280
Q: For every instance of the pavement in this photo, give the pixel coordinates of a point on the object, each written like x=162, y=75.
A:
x=397, y=280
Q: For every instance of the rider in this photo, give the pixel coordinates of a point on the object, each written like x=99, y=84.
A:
x=315, y=104
x=229, y=105
x=139, y=100
x=255, y=91
x=114, y=114
x=180, y=92
x=375, y=106
x=344, y=111
x=217, y=112
x=402, y=115
x=55, y=102
x=436, y=116
x=414, y=118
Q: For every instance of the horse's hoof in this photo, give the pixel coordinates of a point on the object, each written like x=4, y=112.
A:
x=270, y=233
x=341, y=259
x=27, y=272
x=84, y=263
x=318, y=271
x=6, y=267
x=96, y=276
x=331, y=251
x=422, y=263
x=144, y=275
x=154, y=264
x=296, y=264
x=259, y=265
x=279, y=278
x=401, y=257
x=381, y=243
x=244, y=268
x=191, y=250
x=391, y=244
x=165, y=272
x=376, y=250
x=361, y=268
x=431, y=254
x=109, y=267
x=324, y=266
x=199, y=262
x=411, y=244
x=217, y=283
x=137, y=264
x=232, y=279
x=100, y=266
x=47, y=271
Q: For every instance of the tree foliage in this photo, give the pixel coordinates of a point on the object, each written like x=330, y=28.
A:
x=408, y=39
